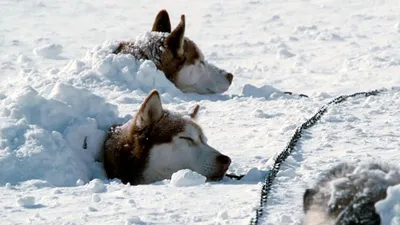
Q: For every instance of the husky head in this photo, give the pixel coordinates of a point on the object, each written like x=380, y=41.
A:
x=347, y=194
x=177, y=142
x=180, y=59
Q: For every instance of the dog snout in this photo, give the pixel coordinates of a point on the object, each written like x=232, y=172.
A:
x=225, y=161
x=229, y=77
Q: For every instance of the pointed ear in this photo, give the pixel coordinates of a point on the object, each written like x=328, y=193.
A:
x=150, y=111
x=174, y=41
x=162, y=22
x=194, y=111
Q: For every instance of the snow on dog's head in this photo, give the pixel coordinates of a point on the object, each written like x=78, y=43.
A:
x=346, y=194
x=103, y=72
x=55, y=138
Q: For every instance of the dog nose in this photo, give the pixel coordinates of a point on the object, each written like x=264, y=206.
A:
x=223, y=159
x=229, y=76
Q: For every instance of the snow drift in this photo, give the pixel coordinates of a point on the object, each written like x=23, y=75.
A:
x=54, y=128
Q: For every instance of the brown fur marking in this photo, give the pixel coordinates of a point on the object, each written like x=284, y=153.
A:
x=174, y=41
x=171, y=64
x=127, y=148
x=126, y=155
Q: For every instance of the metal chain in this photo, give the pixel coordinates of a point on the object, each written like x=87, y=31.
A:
x=266, y=188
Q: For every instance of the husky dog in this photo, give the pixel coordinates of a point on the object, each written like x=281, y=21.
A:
x=346, y=194
x=178, y=57
x=156, y=142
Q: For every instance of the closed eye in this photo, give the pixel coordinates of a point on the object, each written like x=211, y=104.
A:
x=190, y=140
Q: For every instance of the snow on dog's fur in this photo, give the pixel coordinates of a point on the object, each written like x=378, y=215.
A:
x=178, y=57
x=156, y=143
x=346, y=194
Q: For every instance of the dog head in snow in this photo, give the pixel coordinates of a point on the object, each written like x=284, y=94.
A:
x=157, y=143
x=347, y=194
x=178, y=57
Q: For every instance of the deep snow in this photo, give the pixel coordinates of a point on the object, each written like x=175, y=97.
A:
x=60, y=89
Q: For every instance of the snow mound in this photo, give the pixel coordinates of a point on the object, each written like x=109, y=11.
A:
x=284, y=54
x=27, y=201
x=115, y=72
x=186, y=177
x=53, y=135
x=389, y=208
x=254, y=174
x=265, y=91
x=54, y=123
x=97, y=186
x=222, y=216
x=133, y=220
x=48, y=51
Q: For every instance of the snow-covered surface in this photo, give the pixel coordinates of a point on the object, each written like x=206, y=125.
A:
x=389, y=208
x=186, y=177
x=60, y=89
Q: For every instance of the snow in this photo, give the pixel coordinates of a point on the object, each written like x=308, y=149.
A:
x=96, y=198
x=186, y=177
x=96, y=186
x=42, y=135
x=254, y=175
x=48, y=51
x=389, y=208
x=61, y=89
x=27, y=201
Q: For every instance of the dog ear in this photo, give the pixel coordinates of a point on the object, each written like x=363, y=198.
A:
x=194, y=111
x=162, y=22
x=150, y=111
x=174, y=41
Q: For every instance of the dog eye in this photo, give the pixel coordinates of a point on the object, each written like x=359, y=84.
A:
x=188, y=139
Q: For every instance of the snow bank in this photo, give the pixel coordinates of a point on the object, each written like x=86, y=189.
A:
x=100, y=68
x=53, y=124
x=55, y=138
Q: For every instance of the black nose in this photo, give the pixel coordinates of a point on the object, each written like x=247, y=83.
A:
x=229, y=76
x=223, y=159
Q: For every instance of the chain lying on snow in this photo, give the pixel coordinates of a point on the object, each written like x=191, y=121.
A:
x=266, y=188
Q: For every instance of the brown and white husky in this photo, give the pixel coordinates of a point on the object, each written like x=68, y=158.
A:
x=156, y=142
x=178, y=57
x=346, y=194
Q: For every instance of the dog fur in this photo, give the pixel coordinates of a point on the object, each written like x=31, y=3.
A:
x=156, y=142
x=346, y=194
x=178, y=57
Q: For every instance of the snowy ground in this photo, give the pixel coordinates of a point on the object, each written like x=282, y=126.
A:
x=58, y=85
